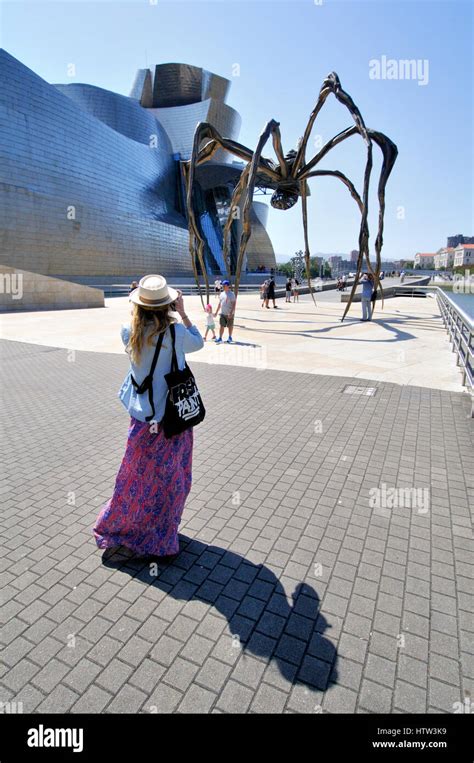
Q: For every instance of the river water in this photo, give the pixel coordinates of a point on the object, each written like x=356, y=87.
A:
x=465, y=301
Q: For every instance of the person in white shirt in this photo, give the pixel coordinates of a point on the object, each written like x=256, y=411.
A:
x=226, y=307
x=295, y=286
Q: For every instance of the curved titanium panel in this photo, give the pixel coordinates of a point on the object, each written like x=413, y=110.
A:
x=184, y=84
x=180, y=123
x=142, y=88
x=214, y=86
x=89, y=185
x=76, y=197
x=122, y=114
x=213, y=174
x=261, y=210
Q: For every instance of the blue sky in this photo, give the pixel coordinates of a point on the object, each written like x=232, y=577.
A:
x=284, y=50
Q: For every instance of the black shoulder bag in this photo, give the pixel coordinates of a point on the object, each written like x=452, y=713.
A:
x=184, y=407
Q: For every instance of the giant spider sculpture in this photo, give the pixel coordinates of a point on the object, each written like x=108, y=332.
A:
x=289, y=177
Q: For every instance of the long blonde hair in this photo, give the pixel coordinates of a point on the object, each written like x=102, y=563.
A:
x=149, y=322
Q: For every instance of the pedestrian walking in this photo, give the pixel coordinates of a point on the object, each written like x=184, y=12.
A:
x=154, y=478
x=271, y=293
x=367, y=291
x=226, y=307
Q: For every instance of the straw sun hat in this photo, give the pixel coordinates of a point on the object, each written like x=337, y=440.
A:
x=153, y=291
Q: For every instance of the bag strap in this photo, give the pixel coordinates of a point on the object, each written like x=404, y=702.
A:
x=147, y=383
x=152, y=370
x=156, y=353
x=174, y=360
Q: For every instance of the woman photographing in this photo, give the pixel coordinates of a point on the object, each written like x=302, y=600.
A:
x=154, y=478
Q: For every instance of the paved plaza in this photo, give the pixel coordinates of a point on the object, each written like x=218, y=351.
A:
x=405, y=343
x=298, y=590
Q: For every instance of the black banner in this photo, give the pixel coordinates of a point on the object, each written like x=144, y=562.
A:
x=98, y=737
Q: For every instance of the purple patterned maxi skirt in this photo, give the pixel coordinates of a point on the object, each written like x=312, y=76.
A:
x=151, y=488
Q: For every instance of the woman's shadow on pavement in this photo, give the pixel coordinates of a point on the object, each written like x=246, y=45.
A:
x=251, y=597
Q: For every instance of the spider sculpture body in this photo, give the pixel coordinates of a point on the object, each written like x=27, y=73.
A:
x=289, y=176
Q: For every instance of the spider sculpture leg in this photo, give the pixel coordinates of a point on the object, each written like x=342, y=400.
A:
x=350, y=186
x=193, y=235
x=332, y=85
x=307, y=256
x=307, y=170
x=197, y=249
x=389, y=151
x=200, y=156
x=389, y=154
x=234, y=204
x=352, y=190
x=271, y=128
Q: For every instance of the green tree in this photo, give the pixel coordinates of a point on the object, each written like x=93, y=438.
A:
x=461, y=268
x=314, y=268
x=286, y=268
x=327, y=272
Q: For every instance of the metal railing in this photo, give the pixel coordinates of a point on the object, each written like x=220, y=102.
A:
x=460, y=328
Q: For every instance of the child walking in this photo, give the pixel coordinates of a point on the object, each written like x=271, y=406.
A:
x=210, y=325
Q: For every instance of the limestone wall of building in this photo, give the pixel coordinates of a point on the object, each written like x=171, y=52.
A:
x=21, y=290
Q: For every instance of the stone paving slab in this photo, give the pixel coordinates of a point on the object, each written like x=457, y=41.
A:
x=294, y=591
x=406, y=341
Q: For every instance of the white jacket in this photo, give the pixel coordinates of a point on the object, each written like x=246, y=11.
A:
x=138, y=406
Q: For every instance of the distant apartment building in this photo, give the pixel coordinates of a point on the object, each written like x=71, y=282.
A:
x=463, y=255
x=334, y=261
x=346, y=266
x=454, y=241
x=385, y=265
x=339, y=265
x=424, y=260
x=388, y=265
x=444, y=258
